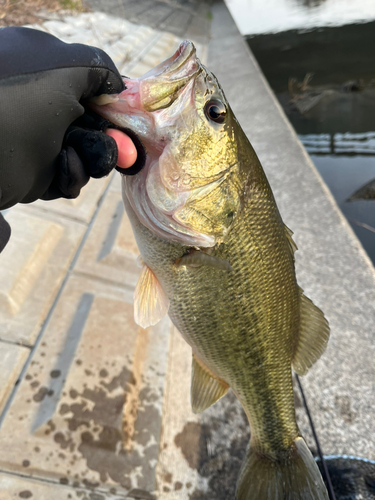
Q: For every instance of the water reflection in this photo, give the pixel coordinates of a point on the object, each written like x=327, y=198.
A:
x=325, y=81
x=340, y=144
x=346, y=160
x=310, y=3
x=344, y=175
x=272, y=16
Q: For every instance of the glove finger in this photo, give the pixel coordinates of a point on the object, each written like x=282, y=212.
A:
x=92, y=120
x=70, y=178
x=101, y=80
x=4, y=232
x=97, y=151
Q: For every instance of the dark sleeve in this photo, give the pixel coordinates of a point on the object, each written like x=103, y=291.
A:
x=37, y=51
x=44, y=84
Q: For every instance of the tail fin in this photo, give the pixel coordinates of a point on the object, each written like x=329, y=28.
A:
x=296, y=477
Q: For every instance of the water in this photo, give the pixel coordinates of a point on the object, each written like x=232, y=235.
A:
x=271, y=16
x=343, y=175
x=325, y=81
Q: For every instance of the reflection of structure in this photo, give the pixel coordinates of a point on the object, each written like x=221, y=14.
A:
x=340, y=144
x=310, y=3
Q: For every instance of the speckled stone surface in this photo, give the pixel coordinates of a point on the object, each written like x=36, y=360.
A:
x=88, y=410
x=14, y=487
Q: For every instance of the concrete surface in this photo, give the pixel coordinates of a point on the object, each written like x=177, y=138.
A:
x=101, y=407
x=33, y=266
x=110, y=251
x=88, y=410
x=186, y=19
x=13, y=358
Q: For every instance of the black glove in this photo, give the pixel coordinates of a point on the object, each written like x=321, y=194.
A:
x=4, y=233
x=44, y=83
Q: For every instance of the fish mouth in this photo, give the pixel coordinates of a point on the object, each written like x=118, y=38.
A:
x=159, y=87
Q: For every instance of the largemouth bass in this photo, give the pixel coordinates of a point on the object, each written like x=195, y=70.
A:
x=217, y=256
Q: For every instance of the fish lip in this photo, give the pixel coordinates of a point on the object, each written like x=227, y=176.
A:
x=175, y=63
x=160, y=87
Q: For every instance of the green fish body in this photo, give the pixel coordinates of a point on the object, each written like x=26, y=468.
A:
x=234, y=296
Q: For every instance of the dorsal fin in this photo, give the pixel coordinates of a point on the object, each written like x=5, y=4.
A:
x=313, y=336
x=289, y=237
x=205, y=389
x=150, y=302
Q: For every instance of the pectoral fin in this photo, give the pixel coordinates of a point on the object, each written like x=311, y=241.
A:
x=197, y=258
x=313, y=336
x=150, y=302
x=205, y=389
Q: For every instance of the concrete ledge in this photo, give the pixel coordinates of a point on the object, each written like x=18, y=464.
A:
x=332, y=266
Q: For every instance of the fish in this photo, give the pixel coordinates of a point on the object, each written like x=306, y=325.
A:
x=217, y=257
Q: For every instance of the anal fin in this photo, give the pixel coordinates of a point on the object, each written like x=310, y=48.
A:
x=205, y=389
x=150, y=302
x=313, y=336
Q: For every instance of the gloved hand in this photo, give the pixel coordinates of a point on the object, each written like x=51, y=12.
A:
x=4, y=233
x=44, y=86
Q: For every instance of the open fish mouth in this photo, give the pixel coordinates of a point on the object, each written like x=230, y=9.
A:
x=165, y=109
x=159, y=87
x=140, y=105
x=176, y=65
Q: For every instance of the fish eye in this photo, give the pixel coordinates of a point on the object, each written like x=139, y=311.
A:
x=215, y=111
